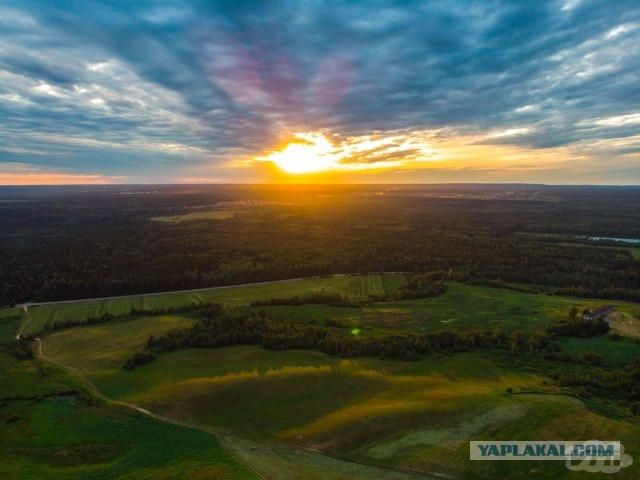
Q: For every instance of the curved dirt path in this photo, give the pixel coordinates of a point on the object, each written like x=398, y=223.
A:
x=132, y=406
x=25, y=309
x=76, y=373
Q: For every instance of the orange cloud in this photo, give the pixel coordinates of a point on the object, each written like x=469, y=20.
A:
x=19, y=174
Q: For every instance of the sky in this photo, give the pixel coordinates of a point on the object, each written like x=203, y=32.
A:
x=320, y=91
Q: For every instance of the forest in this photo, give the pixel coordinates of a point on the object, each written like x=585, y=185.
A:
x=83, y=242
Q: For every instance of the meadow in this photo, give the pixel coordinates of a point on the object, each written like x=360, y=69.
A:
x=615, y=353
x=357, y=287
x=288, y=412
x=416, y=415
x=208, y=215
x=464, y=307
x=10, y=319
x=52, y=428
x=61, y=437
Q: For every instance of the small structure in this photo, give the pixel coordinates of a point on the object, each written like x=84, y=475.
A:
x=599, y=313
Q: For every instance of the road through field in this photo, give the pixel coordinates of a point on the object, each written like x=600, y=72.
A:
x=206, y=289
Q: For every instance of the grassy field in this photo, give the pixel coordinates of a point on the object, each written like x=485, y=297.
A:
x=60, y=437
x=10, y=319
x=108, y=346
x=282, y=462
x=393, y=414
x=614, y=352
x=461, y=307
x=356, y=287
x=31, y=378
x=209, y=215
x=45, y=433
x=276, y=408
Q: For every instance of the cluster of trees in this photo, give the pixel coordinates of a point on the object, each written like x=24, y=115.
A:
x=621, y=385
x=430, y=284
x=579, y=328
x=575, y=326
x=333, y=299
x=78, y=244
x=139, y=358
x=241, y=328
x=21, y=349
x=628, y=380
x=143, y=312
x=70, y=322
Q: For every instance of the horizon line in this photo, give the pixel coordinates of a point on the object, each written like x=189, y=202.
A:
x=326, y=184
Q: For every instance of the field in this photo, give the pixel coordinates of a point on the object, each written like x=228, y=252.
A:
x=61, y=437
x=46, y=432
x=392, y=414
x=32, y=378
x=210, y=215
x=10, y=319
x=614, y=352
x=292, y=413
x=356, y=287
x=461, y=307
x=105, y=346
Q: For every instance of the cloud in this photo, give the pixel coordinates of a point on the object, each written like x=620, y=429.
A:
x=131, y=87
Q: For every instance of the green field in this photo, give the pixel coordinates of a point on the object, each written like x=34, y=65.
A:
x=614, y=352
x=62, y=438
x=358, y=287
x=47, y=433
x=10, y=319
x=32, y=378
x=209, y=215
x=292, y=413
x=394, y=414
x=106, y=346
x=461, y=307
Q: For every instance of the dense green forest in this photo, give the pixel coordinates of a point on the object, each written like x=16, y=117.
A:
x=82, y=242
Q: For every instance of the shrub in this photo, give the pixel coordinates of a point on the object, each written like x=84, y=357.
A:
x=139, y=358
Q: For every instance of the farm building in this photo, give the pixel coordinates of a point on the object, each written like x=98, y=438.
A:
x=599, y=313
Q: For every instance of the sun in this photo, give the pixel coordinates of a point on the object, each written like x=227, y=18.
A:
x=306, y=153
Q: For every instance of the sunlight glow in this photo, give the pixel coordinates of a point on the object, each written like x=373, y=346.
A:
x=443, y=152
x=307, y=153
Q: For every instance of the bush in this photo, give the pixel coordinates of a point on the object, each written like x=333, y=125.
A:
x=13, y=418
x=590, y=358
x=139, y=358
x=577, y=327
